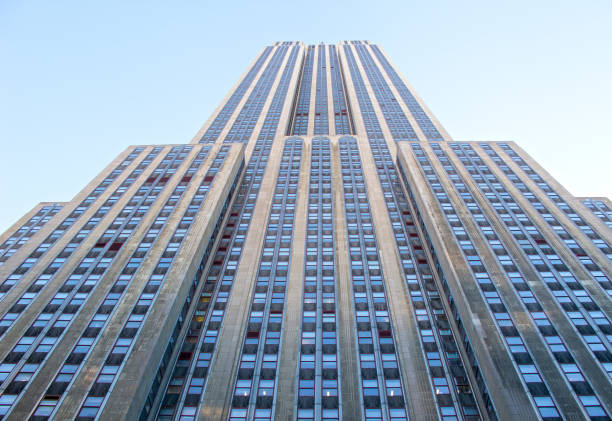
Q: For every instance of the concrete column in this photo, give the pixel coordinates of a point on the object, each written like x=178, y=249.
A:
x=330, y=94
x=132, y=387
x=215, y=113
x=313, y=91
x=11, y=264
x=582, y=275
x=575, y=202
x=247, y=94
x=597, y=223
x=188, y=319
x=349, y=366
x=391, y=145
x=292, y=314
x=266, y=107
x=477, y=392
x=32, y=311
x=25, y=218
x=90, y=367
x=398, y=98
x=54, y=361
x=574, y=342
x=419, y=400
x=216, y=400
x=496, y=366
x=426, y=109
x=553, y=378
x=582, y=240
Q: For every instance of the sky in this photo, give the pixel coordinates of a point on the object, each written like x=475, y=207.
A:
x=82, y=80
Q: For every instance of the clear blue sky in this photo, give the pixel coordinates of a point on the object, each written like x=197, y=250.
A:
x=81, y=80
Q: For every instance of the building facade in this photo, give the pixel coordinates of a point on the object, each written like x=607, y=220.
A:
x=321, y=250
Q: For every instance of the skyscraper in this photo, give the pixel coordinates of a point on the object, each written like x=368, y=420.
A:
x=321, y=250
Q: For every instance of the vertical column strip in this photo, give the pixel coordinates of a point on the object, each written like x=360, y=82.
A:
x=212, y=128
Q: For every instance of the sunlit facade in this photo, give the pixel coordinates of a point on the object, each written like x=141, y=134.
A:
x=321, y=250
